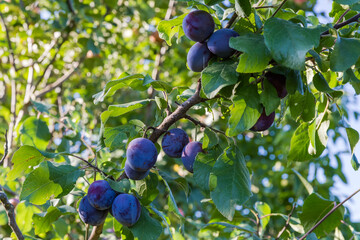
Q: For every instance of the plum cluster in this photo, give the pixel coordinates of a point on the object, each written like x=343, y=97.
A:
x=101, y=199
x=199, y=26
x=175, y=143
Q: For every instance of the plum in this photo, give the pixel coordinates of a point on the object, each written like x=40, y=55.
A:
x=198, y=25
x=198, y=57
x=189, y=154
x=218, y=43
x=135, y=175
x=101, y=195
x=174, y=142
x=264, y=121
x=141, y=154
x=126, y=209
x=279, y=82
x=89, y=214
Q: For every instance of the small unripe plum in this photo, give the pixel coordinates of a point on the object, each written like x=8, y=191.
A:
x=126, y=209
x=174, y=142
x=135, y=175
x=141, y=154
x=264, y=122
x=91, y=215
x=101, y=195
x=198, y=25
x=279, y=82
x=198, y=57
x=189, y=154
x=218, y=43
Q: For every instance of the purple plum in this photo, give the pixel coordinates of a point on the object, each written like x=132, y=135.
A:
x=264, y=122
x=101, y=195
x=279, y=82
x=135, y=175
x=198, y=57
x=126, y=209
x=141, y=154
x=174, y=142
x=189, y=154
x=198, y=25
x=218, y=43
x=89, y=214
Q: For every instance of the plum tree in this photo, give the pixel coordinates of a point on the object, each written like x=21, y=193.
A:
x=218, y=42
x=198, y=25
x=141, y=154
x=198, y=57
x=91, y=215
x=174, y=142
x=135, y=175
x=264, y=121
x=279, y=82
x=189, y=154
x=126, y=209
x=101, y=195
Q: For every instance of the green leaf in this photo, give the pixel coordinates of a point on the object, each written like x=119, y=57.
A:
x=345, y=54
x=43, y=222
x=243, y=8
x=347, y=2
x=315, y=208
x=202, y=167
x=312, y=236
x=349, y=75
x=309, y=188
x=269, y=97
x=35, y=132
x=321, y=84
x=23, y=160
x=353, y=137
x=294, y=82
x=147, y=188
x=212, y=2
x=256, y=55
x=263, y=209
x=217, y=76
x=308, y=112
x=168, y=28
x=210, y=139
x=112, y=86
x=122, y=186
x=146, y=228
x=24, y=216
x=42, y=107
x=120, y=109
x=300, y=147
x=49, y=180
x=230, y=182
x=116, y=138
x=288, y=42
x=246, y=110
x=355, y=163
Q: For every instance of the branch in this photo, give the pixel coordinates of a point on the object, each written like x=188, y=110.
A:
x=340, y=25
x=231, y=21
x=278, y=9
x=5, y=148
x=287, y=222
x=96, y=232
x=197, y=122
x=342, y=16
x=270, y=6
x=328, y=214
x=59, y=81
x=12, y=57
x=10, y=211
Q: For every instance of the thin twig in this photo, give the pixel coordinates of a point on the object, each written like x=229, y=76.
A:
x=197, y=122
x=328, y=214
x=10, y=211
x=231, y=21
x=340, y=25
x=278, y=9
x=342, y=16
x=270, y=6
x=91, y=165
x=5, y=147
x=11, y=50
x=287, y=222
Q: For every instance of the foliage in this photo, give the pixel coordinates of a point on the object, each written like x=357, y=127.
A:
x=82, y=79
